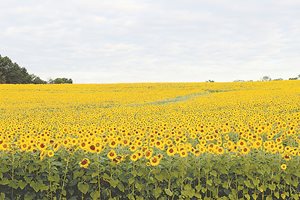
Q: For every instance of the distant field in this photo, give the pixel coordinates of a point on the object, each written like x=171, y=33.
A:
x=150, y=141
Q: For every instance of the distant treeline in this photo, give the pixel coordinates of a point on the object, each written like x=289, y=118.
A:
x=267, y=78
x=12, y=73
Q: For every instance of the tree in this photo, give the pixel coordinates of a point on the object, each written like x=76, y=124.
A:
x=238, y=81
x=12, y=73
x=293, y=78
x=37, y=80
x=266, y=78
x=210, y=81
x=2, y=77
x=61, y=81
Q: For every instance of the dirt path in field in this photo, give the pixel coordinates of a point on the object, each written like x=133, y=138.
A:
x=178, y=98
x=181, y=98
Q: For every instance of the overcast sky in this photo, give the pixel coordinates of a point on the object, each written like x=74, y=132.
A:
x=103, y=41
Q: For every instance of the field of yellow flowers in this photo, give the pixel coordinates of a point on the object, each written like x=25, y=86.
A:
x=150, y=141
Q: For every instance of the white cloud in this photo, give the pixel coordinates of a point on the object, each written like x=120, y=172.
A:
x=130, y=40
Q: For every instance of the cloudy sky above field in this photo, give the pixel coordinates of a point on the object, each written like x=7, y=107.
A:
x=101, y=41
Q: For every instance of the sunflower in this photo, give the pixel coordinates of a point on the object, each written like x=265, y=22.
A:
x=134, y=157
x=245, y=150
x=24, y=146
x=171, y=151
x=50, y=153
x=257, y=144
x=154, y=161
x=84, y=163
x=118, y=159
x=283, y=166
x=112, y=154
x=183, y=153
x=42, y=155
x=133, y=148
x=42, y=146
x=220, y=150
x=148, y=154
x=286, y=157
x=125, y=142
x=113, y=144
x=241, y=143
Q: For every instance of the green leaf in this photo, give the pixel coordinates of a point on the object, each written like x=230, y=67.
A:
x=254, y=196
x=35, y=186
x=78, y=173
x=94, y=181
x=94, y=174
x=256, y=182
x=56, y=163
x=209, y=182
x=169, y=192
x=64, y=192
x=188, y=191
x=114, y=183
x=13, y=184
x=131, y=180
x=295, y=182
x=276, y=194
x=240, y=187
x=4, y=181
x=269, y=198
x=138, y=186
x=198, y=187
x=141, y=172
x=2, y=196
x=295, y=196
x=4, y=168
x=83, y=187
x=54, y=178
x=231, y=196
x=43, y=187
x=28, y=179
x=214, y=173
x=198, y=195
x=157, y=192
x=95, y=195
x=159, y=177
x=22, y=184
x=248, y=184
x=225, y=185
x=272, y=187
x=106, y=176
x=187, y=187
x=121, y=187
x=130, y=196
x=29, y=196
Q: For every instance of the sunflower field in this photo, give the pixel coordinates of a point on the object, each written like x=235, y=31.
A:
x=150, y=141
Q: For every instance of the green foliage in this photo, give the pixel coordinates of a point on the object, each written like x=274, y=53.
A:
x=61, y=81
x=12, y=73
x=37, y=80
x=255, y=176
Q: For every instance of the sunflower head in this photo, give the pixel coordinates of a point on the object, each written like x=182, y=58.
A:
x=50, y=153
x=283, y=166
x=112, y=154
x=84, y=163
